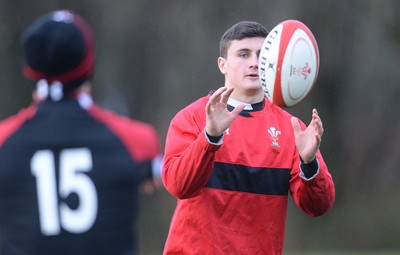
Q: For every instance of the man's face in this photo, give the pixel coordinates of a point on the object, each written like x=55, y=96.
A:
x=240, y=67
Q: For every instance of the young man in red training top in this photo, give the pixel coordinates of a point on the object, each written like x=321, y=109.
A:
x=69, y=170
x=232, y=157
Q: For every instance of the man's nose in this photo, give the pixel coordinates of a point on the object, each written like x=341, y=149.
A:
x=254, y=60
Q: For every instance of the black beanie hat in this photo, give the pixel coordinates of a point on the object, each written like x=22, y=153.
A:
x=59, y=46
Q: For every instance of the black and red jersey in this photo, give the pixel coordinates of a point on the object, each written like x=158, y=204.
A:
x=69, y=179
x=232, y=197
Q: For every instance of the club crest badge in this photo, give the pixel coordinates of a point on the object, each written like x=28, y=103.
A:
x=227, y=131
x=274, y=136
x=304, y=71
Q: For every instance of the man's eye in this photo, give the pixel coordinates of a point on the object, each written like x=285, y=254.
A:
x=243, y=55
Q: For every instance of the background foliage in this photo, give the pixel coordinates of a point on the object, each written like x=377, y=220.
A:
x=155, y=57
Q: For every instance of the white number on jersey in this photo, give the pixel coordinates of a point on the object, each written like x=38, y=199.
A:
x=55, y=215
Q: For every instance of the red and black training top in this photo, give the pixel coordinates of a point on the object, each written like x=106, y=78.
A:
x=69, y=179
x=232, y=197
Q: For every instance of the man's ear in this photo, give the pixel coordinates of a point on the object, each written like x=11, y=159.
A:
x=222, y=65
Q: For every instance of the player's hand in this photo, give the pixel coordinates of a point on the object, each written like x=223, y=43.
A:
x=308, y=140
x=219, y=118
x=150, y=186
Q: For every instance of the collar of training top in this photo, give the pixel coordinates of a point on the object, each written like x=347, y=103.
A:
x=232, y=103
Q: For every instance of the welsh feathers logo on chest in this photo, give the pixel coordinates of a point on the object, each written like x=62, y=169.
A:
x=274, y=136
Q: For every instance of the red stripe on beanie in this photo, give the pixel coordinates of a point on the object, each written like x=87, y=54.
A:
x=84, y=69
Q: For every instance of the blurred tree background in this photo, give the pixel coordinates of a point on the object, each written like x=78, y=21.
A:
x=155, y=57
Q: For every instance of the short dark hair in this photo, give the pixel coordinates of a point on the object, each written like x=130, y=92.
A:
x=239, y=31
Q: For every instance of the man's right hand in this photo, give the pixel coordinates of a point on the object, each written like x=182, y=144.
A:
x=219, y=118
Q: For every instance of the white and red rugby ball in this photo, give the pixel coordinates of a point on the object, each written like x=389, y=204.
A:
x=288, y=63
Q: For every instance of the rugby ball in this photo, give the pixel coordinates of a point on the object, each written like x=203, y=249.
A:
x=288, y=63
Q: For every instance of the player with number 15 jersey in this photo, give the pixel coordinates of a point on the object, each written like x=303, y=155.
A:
x=69, y=170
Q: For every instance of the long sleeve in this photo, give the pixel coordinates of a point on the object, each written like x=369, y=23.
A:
x=188, y=158
x=314, y=196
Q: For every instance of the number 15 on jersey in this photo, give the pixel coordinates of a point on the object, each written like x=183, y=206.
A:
x=73, y=166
